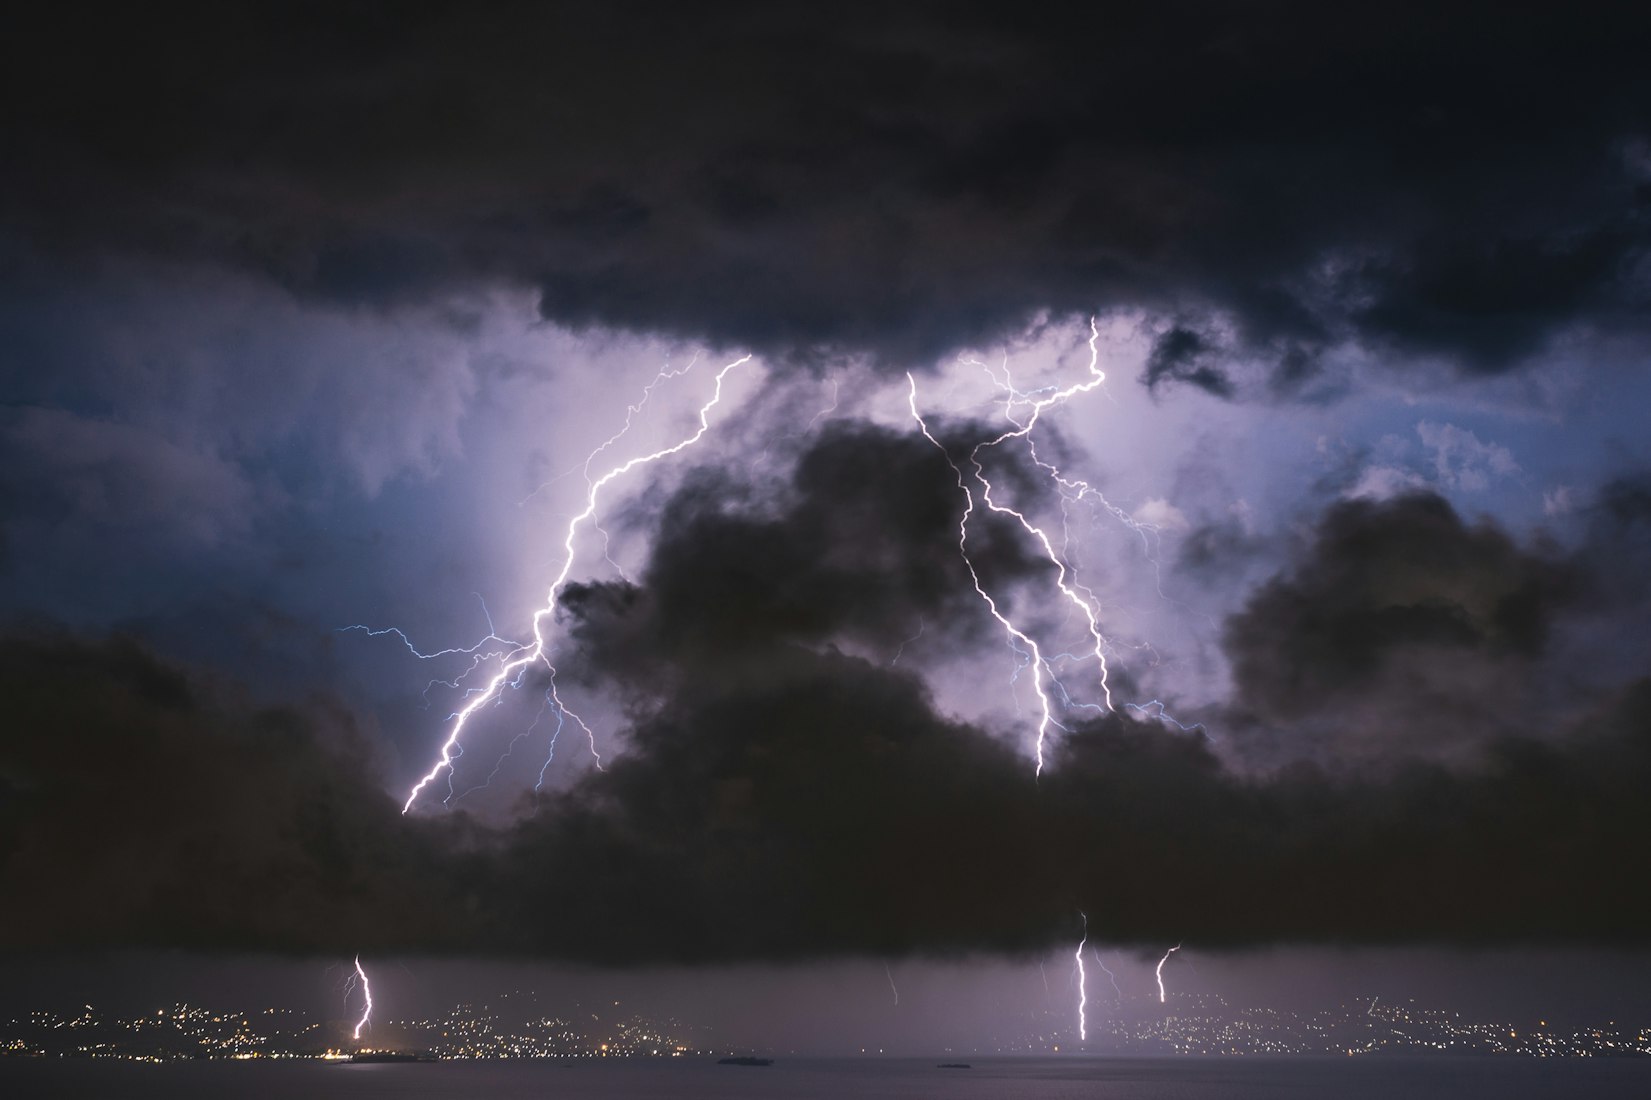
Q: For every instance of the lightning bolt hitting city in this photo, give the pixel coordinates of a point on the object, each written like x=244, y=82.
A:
x=517, y=662
x=360, y=977
x=1160, y=971
x=1083, y=991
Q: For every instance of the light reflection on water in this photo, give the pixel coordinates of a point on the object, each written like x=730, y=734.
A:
x=829, y=1079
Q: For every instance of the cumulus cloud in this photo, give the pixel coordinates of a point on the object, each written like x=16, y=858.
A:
x=1461, y=460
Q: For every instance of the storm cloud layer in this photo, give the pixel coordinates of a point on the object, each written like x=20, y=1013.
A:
x=782, y=795
x=309, y=320
x=1278, y=190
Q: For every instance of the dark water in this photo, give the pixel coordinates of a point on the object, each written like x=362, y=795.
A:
x=820, y=1079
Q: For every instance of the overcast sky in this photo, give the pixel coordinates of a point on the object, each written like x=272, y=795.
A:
x=312, y=322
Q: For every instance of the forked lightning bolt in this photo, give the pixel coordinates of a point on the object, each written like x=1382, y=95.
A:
x=519, y=660
x=1080, y=598
x=367, y=995
x=1023, y=410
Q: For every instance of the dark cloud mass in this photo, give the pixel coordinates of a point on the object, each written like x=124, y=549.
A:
x=1402, y=625
x=1457, y=184
x=782, y=797
x=276, y=375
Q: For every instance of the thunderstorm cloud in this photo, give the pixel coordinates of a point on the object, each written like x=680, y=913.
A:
x=309, y=322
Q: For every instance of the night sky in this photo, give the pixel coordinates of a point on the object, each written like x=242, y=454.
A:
x=310, y=319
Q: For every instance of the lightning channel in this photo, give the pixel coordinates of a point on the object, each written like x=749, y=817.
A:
x=1039, y=665
x=1082, y=599
x=1023, y=409
x=367, y=996
x=1110, y=976
x=520, y=660
x=1083, y=992
x=1160, y=971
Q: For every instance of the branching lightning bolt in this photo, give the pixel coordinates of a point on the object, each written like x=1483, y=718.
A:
x=1160, y=971
x=367, y=995
x=1023, y=409
x=1111, y=977
x=1081, y=599
x=517, y=662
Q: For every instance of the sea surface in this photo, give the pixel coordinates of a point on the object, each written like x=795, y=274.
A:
x=1052, y=1078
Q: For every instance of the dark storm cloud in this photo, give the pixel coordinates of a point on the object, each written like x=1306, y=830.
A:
x=1387, y=584
x=824, y=810
x=143, y=805
x=862, y=547
x=1459, y=185
x=1181, y=355
x=782, y=798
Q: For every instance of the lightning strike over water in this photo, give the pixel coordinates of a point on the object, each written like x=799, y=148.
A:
x=367, y=995
x=1160, y=971
x=518, y=661
x=892, y=988
x=1083, y=992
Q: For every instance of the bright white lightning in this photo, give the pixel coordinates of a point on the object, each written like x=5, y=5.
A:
x=1080, y=598
x=892, y=988
x=1023, y=409
x=367, y=994
x=520, y=660
x=1039, y=665
x=1083, y=992
x=1160, y=971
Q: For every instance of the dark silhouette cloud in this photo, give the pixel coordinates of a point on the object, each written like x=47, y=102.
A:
x=822, y=809
x=862, y=548
x=1180, y=355
x=141, y=805
x=1404, y=580
x=1447, y=185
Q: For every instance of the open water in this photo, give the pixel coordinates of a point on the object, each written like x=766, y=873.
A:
x=1375, y=1078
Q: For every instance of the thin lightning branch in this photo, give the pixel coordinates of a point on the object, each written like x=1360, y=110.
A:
x=827, y=411
x=1039, y=666
x=1041, y=669
x=523, y=658
x=631, y=411
x=1110, y=976
x=1153, y=708
x=367, y=993
x=1160, y=971
x=1023, y=410
x=469, y=651
x=890, y=975
x=1083, y=993
x=902, y=648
